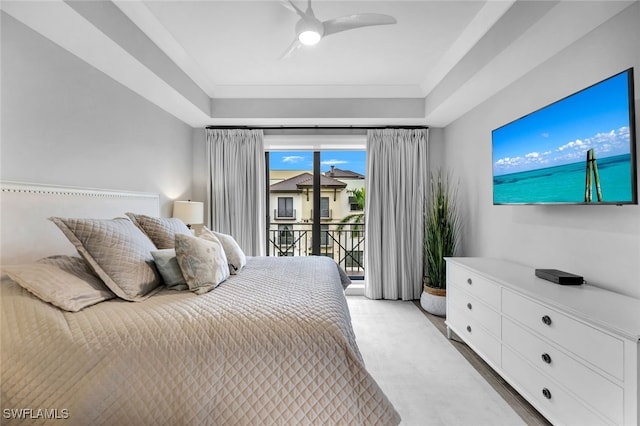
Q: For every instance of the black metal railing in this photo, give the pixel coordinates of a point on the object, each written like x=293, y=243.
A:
x=284, y=214
x=345, y=245
x=324, y=213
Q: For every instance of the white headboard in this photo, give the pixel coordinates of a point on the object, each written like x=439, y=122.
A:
x=26, y=234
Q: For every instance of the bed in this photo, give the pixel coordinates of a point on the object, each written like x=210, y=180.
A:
x=272, y=344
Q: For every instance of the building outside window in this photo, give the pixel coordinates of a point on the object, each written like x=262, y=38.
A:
x=324, y=235
x=353, y=204
x=285, y=207
x=285, y=237
x=324, y=207
x=354, y=259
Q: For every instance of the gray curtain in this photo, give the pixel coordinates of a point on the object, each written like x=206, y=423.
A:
x=397, y=181
x=236, y=186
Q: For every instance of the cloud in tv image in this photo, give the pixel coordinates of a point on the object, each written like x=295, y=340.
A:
x=573, y=151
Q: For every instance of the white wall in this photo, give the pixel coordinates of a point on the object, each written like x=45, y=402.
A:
x=200, y=173
x=436, y=149
x=66, y=123
x=602, y=243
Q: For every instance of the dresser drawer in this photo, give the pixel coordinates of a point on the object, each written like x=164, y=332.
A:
x=476, y=336
x=476, y=310
x=558, y=405
x=474, y=284
x=597, y=392
x=594, y=346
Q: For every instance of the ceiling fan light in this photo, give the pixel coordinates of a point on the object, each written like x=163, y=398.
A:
x=309, y=37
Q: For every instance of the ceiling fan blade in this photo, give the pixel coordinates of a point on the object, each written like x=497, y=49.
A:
x=291, y=6
x=287, y=5
x=295, y=45
x=350, y=22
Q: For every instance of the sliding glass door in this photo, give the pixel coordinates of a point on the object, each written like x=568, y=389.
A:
x=316, y=206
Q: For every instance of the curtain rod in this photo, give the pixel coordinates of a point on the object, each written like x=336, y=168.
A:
x=315, y=127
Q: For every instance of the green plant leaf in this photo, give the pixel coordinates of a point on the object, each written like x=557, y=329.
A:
x=442, y=228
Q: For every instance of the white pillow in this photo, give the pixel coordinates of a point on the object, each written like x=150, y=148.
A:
x=64, y=281
x=118, y=252
x=161, y=231
x=235, y=256
x=203, y=263
x=167, y=265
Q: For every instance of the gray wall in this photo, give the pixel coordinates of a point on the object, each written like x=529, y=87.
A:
x=436, y=149
x=66, y=123
x=602, y=243
x=200, y=173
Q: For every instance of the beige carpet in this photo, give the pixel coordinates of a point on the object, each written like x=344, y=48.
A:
x=426, y=378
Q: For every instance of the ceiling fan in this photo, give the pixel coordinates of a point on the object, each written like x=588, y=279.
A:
x=310, y=30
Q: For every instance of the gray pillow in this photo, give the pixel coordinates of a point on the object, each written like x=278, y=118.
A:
x=64, y=281
x=161, y=231
x=235, y=256
x=118, y=252
x=167, y=265
x=203, y=263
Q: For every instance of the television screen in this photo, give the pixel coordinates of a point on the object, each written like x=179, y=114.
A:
x=578, y=150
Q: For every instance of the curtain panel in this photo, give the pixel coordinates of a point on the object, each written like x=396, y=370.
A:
x=397, y=182
x=236, y=186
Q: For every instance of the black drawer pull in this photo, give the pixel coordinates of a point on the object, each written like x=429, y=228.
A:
x=546, y=358
x=547, y=393
x=469, y=306
x=469, y=281
x=469, y=328
x=546, y=319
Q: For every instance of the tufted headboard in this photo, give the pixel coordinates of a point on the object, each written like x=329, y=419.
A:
x=26, y=234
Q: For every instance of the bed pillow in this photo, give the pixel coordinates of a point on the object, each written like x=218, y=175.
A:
x=202, y=262
x=235, y=256
x=118, y=252
x=167, y=265
x=64, y=281
x=161, y=231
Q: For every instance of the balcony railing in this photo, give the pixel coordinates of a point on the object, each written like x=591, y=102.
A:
x=345, y=246
x=279, y=214
x=324, y=214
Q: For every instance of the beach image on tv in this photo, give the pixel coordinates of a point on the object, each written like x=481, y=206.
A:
x=577, y=150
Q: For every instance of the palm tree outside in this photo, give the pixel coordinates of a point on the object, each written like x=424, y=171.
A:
x=356, y=219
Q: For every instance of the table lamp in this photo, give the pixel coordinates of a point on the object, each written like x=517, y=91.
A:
x=190, y=212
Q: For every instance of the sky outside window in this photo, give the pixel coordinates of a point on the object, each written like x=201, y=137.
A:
x=354, y=161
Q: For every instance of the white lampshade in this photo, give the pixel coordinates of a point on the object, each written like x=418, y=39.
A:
x=190, y=212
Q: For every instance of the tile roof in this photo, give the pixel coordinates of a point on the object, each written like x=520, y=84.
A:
x=305, y=180
x=344, y=174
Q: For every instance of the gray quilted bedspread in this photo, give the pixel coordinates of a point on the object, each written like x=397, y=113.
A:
x=271, y=345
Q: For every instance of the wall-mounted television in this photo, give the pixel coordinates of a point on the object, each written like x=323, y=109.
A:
x=578, y=150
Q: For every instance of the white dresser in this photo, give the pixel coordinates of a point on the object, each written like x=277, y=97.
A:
x=571, y=351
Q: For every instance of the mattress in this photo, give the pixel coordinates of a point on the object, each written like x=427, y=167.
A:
x=271, y=345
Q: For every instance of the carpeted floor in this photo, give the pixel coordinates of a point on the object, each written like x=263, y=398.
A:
x=426, y=378
x=529, y=414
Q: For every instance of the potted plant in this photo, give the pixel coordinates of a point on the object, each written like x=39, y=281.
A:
x=441, y=238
